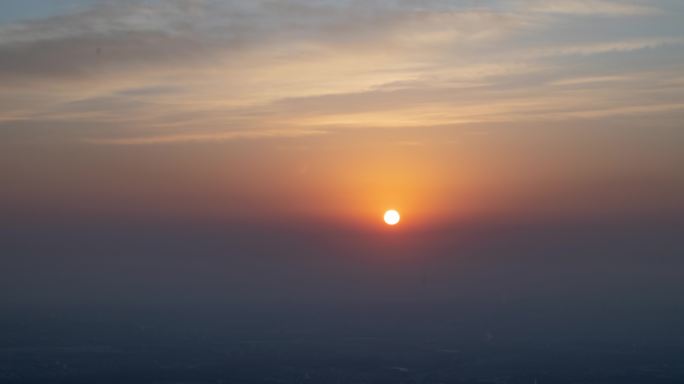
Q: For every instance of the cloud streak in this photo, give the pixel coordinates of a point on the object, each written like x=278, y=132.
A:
x=607, y=47
x=203, y=137
x=202, y=71
x=592, y=8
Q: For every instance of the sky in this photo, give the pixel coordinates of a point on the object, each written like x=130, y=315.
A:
x=320, y=110
x=215, y=154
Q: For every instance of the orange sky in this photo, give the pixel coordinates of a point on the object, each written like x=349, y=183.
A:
x=250, y=111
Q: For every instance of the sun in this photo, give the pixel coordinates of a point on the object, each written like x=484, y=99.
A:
x=392, y=217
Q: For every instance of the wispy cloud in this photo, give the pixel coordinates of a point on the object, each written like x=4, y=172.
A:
x=589, y=80
x=605, y=47
x=203, y=137
x=592, y=7
x=217, y=71
x=175, y=33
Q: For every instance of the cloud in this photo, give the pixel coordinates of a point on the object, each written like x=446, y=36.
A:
x=203, y=137
x=230, y=54
x=201, y=71
x=592, y=48
x=591, y=8
x=176, y=33
x=589, y=80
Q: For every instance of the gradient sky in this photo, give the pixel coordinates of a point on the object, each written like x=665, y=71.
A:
x=235, y=158
x=337, y=110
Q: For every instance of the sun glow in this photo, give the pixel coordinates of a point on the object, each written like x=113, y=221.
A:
x=392, y=217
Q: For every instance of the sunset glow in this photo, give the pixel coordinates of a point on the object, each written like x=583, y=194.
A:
x=341, y=191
